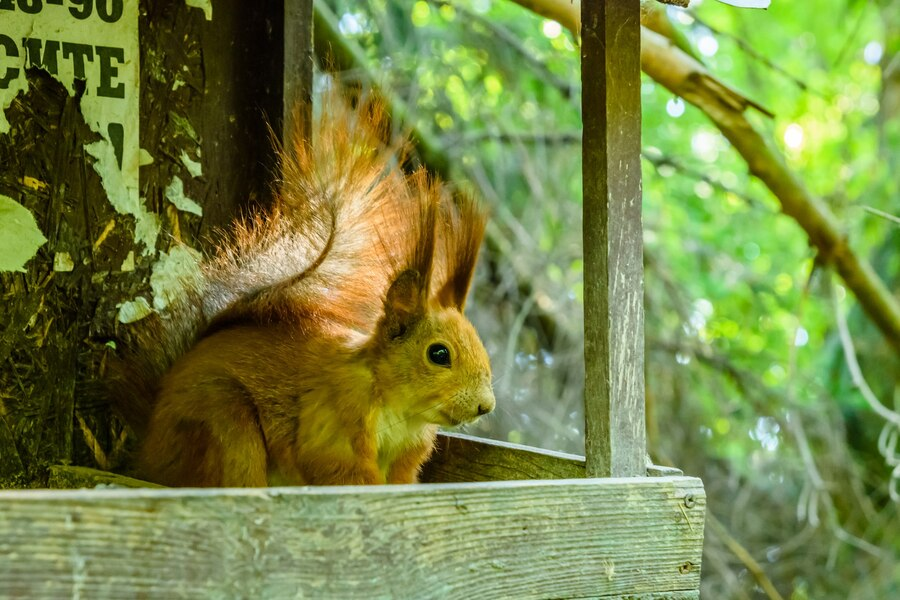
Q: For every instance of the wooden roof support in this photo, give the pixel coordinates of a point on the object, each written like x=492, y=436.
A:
x=615, y=432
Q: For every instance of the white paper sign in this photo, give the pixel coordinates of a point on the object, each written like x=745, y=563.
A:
x=96, y=42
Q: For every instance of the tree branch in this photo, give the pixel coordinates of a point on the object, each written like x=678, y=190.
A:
x=568, y=12
x=687, y=78
x=565, y=12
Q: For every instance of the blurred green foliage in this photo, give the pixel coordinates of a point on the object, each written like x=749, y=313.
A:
x=746, y=380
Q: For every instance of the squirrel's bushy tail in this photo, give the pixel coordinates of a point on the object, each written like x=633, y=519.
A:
x=338, y=228
x=346, y=221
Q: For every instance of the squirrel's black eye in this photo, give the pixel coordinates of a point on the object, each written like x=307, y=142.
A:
x=439, y=354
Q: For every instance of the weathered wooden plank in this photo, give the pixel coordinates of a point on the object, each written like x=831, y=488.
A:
x=615, y=436
x=298, y=66
x=520, y=539
x=663, y=471
x=460, y=457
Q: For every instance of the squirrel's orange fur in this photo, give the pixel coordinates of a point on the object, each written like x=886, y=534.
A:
x=315, y=334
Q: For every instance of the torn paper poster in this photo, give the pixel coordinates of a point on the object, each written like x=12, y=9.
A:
x=96, y=42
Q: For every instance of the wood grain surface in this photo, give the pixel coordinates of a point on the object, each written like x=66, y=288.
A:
x=631, y=537
x=615, y=432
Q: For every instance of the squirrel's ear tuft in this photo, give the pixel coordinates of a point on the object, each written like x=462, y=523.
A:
x=463, y=224
x=404, y=305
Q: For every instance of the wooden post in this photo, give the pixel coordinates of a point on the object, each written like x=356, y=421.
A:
x=298, y=67
x=615, y=432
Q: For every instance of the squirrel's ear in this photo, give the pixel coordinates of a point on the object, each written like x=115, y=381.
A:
x=404, y=305
x=464, y=222
x=454, y=291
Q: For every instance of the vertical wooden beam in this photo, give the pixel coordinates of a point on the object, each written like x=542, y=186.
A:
x=298, y=67
x=615, y=433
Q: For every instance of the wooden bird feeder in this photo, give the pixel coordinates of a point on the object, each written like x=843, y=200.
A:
x=493, y=520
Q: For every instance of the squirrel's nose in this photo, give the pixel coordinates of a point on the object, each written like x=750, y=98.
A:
x=486, y=405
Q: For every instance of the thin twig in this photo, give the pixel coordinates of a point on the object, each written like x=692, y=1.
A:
x=522, y=137
x=744, y=556
x=663, y=160
x=516, y=330
x=567, y=90
x=882, y=214
x=750, y=51
x=842, y=54
x=714, y=559
x=856, y=374
x=859, y=380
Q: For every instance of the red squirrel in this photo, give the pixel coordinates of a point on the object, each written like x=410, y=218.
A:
x=325, y=341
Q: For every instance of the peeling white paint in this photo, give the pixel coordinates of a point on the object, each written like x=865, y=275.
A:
x=205, y=5
x=184, y=126
x=193, y=166
x=17, y=85
x=176, y=269
x=175, y=195
x=62, y=262
x=20, y=236
x=134, y=310
x=128, y=264
x=122, y=197
x=144, y=158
